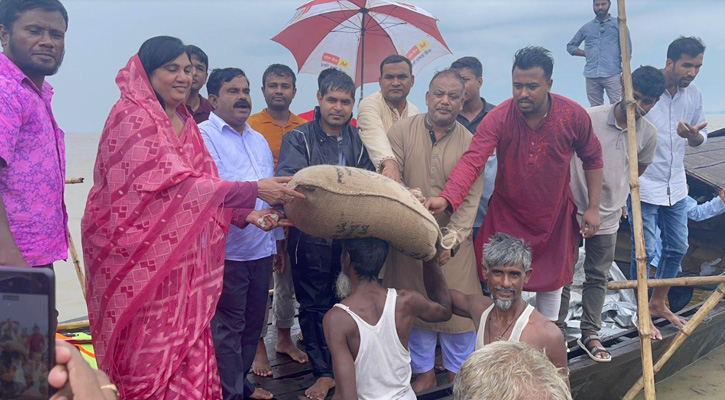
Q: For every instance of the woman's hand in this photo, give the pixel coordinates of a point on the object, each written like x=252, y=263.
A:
x=274, y=191
x=267, y=219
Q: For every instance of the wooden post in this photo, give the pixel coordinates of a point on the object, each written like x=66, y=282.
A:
x=682, y=281
x=683, y=334
x=77, y=264
x=642, y=300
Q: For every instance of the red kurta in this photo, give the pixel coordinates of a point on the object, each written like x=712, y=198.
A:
x=531, y=199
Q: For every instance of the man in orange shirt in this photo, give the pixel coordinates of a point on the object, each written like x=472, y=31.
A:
x=278, y=88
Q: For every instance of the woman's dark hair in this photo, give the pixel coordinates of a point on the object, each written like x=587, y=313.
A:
x=159, y=51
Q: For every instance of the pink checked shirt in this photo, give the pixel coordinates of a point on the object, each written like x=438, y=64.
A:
x=32, y=182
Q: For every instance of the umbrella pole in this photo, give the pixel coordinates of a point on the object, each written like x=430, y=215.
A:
x=642, y=300
x=364, y=12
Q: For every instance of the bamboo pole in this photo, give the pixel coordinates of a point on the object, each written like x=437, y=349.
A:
x=77, y=264
x=683, y=281
x=642, y=300
x=69, y=181
x=682, y=335
x=73, y=325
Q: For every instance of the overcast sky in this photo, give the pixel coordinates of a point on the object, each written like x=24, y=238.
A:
x=104, y=34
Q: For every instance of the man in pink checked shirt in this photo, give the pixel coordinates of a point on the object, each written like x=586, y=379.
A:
x=33, y=219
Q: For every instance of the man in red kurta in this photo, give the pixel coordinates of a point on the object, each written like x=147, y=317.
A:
x=535, y=134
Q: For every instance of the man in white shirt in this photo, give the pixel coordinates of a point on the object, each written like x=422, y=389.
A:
x=680, y=120
x=369, y=331
x=610, y=126
x=240, y=154
x=378, y=112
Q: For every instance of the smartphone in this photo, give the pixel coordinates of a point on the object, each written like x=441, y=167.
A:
x=27, y=332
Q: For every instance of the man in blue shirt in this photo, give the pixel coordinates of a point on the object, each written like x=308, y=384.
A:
x=601, y=49
x=240, y=154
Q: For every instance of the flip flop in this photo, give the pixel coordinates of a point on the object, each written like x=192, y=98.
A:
x=595, y=350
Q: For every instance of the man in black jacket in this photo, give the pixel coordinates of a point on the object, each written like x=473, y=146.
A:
x=329, y=139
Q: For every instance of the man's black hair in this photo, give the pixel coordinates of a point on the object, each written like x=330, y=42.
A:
x=451, y=73
x=337, y=81
x=394, y=59
x=159, y=51
x=471, y=63
x=324, y=73
x=367, y=256
x=199, y=53
x=10, y=10
x=532, y=57
x=649, y=81
x=279, y=70
x=692, y=46
x=220, y=76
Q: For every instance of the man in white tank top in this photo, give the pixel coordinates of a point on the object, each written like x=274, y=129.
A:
x=506, y=316
x=368, y=332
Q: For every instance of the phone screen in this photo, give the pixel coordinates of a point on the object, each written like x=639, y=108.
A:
x=26, y=337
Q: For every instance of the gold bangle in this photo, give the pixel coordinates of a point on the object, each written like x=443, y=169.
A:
x=112, y=388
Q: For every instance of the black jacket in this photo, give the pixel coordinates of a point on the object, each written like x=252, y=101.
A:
x=309, y=145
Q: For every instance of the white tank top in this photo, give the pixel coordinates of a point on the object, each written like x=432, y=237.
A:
x=515, y=333
x=382, y=365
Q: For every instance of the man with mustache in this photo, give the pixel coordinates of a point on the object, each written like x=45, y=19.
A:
x=603, y=68
x=33, y=219
x=427, y=148
x=379, y=111
x=368, y=332
x=240, y=154
x=505, y=315
x=535, y=135
x=680, y=121
x=279, y=87
x=315, y=262
x=198, y=106
x=610, y=126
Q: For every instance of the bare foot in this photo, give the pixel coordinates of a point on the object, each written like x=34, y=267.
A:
x=426, y=380
x=654, y=333
x=260, y=393
x=661, y=311
x=319, y=390
x=260, y=365
x=286, y=346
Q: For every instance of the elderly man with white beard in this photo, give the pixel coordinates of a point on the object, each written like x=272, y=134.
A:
x=506, y=316
x=368, y=332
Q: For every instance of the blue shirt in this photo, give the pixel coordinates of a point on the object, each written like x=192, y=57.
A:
x=242, y=157
x=601, y=47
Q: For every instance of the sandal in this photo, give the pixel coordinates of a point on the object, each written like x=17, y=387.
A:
x=593, y=351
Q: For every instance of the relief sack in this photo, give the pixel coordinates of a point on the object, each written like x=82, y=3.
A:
x=348, y=203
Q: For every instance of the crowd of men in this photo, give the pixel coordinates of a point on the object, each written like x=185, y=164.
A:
x=503, y=178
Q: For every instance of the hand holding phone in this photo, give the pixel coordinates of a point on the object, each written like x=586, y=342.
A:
x=27, y=327
x=75, y=378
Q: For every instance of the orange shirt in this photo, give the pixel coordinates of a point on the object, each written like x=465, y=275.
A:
x=263, y=123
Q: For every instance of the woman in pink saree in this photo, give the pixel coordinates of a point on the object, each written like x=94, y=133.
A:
x=154, y=230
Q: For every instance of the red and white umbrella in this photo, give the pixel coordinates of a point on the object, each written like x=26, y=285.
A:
x=354, y=36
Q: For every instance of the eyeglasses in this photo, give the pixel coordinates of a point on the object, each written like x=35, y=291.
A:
x=601, y=27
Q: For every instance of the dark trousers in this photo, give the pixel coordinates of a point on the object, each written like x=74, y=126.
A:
x=314, y=272
x=599, y=257
x=238, y=322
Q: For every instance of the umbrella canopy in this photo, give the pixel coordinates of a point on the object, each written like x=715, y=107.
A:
x=354, y=36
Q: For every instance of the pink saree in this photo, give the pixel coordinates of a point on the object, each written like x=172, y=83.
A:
x=153, y=243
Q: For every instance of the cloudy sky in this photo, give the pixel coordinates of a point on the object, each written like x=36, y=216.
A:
x=104, y=34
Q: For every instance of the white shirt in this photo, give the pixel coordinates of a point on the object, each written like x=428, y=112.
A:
x=244, y=157
x=664, y=182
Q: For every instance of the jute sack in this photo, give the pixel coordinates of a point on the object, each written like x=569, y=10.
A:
x=348, y=203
